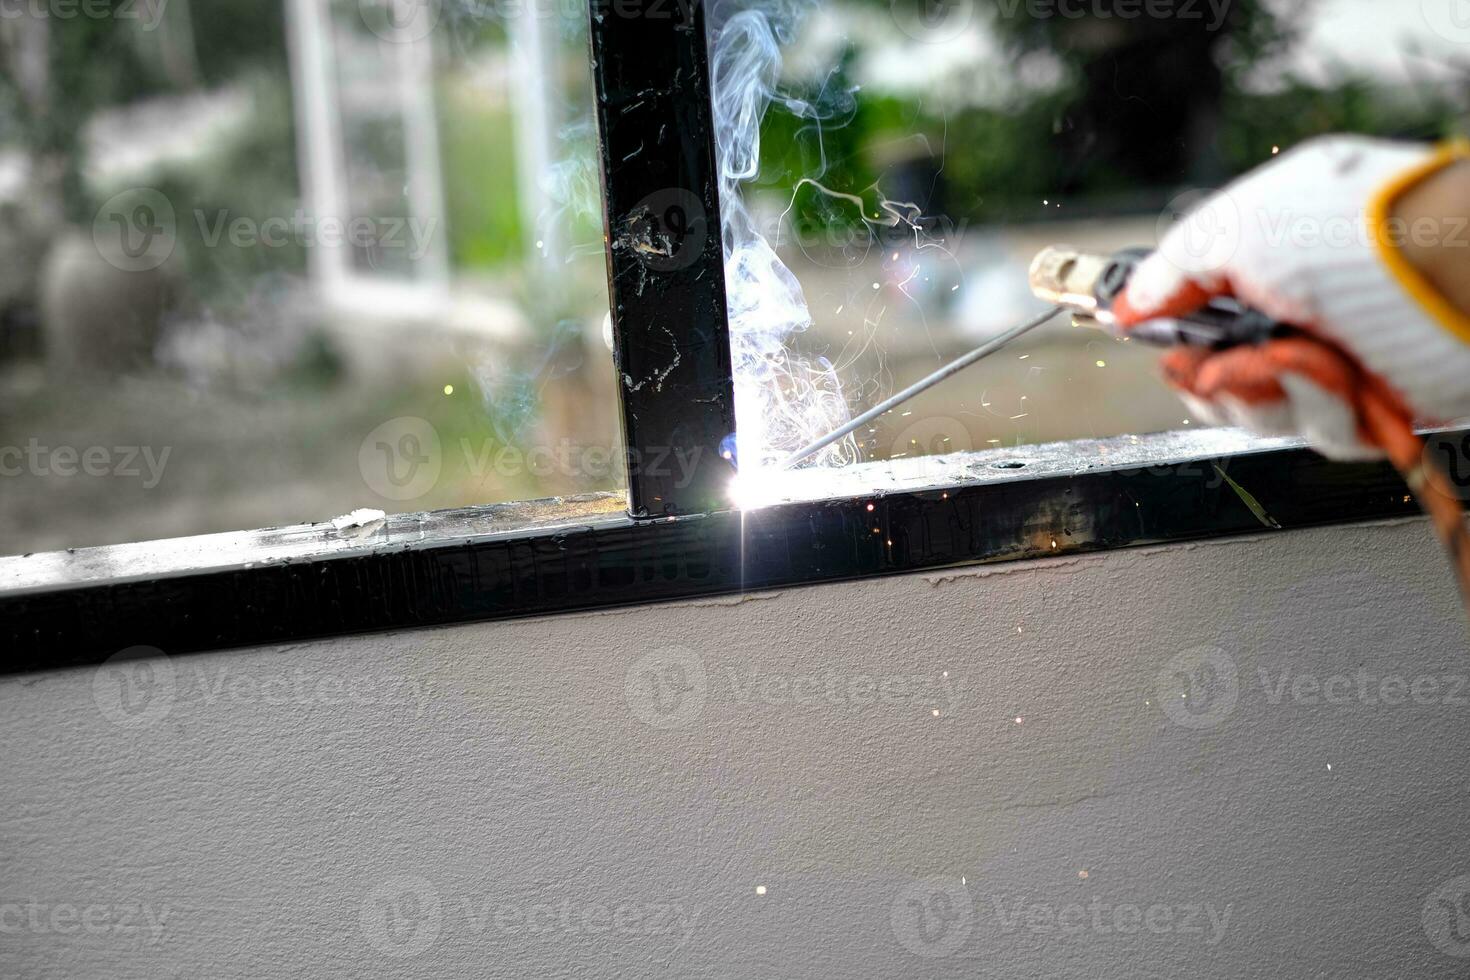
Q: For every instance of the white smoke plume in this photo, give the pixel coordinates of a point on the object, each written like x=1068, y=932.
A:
x=783, y=400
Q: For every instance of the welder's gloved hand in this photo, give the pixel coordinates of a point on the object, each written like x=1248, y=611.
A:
x=1323, y=238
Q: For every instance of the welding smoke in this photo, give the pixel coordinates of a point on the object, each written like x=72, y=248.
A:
x=782, y=400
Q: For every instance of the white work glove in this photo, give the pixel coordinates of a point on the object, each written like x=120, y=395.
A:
x=1302, y=240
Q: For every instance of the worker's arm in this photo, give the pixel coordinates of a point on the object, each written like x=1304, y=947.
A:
x=1366, y=245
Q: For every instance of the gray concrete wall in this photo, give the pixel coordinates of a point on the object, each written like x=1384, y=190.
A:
x=1235, y=759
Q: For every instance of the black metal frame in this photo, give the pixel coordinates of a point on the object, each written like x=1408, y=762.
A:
x=508, y=561
x=666, y=272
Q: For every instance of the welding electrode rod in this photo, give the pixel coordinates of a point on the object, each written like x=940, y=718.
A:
x=918, y=387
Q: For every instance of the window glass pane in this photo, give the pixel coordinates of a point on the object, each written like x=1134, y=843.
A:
x=918, y=154
x=274, y=262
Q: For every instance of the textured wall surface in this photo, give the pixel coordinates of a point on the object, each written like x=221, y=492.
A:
x=1241, y=758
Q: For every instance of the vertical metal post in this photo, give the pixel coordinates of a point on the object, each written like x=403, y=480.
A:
x=665, y=260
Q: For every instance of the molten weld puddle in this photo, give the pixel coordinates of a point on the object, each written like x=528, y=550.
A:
x=757, y=488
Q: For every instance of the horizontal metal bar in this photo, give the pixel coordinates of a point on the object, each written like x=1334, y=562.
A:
x=288, y=584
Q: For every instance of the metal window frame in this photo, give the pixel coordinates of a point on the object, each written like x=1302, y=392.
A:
x=69, y=609
x=669, y=538
x=665, y=259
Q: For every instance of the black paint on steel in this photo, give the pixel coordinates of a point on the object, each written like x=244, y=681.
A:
x=613, y=560
x=665, y=259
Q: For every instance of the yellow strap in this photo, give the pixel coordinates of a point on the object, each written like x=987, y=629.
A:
x=1415, y=283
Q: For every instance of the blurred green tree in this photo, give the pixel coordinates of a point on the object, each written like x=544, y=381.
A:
x=1147, y=81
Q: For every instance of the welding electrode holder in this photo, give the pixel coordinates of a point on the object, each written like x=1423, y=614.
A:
x=1090, y=283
